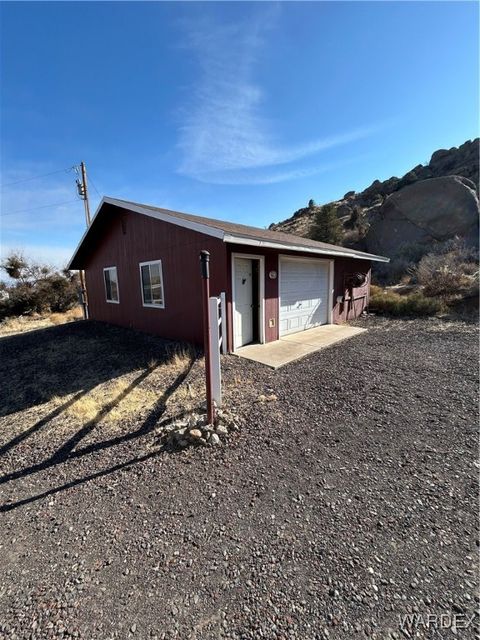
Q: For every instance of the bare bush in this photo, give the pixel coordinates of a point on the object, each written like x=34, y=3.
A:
x=449, y=274
x=36, y=288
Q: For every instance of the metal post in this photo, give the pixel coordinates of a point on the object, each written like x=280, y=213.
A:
x=205, y=271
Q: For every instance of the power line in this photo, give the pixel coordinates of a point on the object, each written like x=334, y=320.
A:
x=43, y=206
x=93, y=185
x=43, y=175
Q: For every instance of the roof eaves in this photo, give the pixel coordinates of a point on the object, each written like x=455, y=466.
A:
x=218, y=232
x=272, y=244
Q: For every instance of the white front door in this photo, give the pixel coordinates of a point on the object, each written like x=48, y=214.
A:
x=304, y=295
x=243, y=320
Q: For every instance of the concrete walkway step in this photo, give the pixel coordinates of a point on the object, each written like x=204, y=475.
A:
x=297, y=345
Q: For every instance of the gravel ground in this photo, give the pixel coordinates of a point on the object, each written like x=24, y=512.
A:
x=345, y=501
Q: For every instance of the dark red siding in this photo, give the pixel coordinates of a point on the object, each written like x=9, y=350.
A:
x=127, y=239
x=349, y=308
x=343, y=267
x=131, y=238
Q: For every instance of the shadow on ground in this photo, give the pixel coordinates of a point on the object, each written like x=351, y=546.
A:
x=71, y=358
x=76, y=358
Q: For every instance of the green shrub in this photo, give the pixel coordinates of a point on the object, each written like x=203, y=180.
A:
x=412, y=304
x=326, y=226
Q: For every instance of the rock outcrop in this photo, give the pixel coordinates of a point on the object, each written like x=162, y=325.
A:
x=428, y=210
x=434, y=201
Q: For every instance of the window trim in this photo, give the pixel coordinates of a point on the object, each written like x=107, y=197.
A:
x=151, y=305
x=105, y=285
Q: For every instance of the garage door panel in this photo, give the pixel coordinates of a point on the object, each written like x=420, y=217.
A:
x=303, y=295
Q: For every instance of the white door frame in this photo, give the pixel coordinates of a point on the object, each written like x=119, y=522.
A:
x=261, y=293
x=330, y=263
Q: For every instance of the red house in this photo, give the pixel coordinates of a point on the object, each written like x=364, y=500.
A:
x=142, y=271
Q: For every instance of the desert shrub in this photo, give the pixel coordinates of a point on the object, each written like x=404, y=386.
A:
x=36, y=288
x=23, y=299
x=413, y=251
x=354, y=219
x=412, y=304
x=449, y=273
x=417, y=261
x=58, y=292
x=445, y=283
x=391, y=272
x=401, y=264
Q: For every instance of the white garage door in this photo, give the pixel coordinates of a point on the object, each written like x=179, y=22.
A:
x=303, y=294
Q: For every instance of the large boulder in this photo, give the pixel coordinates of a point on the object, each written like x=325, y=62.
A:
x=428, y=210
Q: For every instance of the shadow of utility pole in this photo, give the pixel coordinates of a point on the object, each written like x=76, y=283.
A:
x=66, y=452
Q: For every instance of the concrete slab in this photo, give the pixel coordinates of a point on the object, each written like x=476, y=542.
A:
x=297, y=345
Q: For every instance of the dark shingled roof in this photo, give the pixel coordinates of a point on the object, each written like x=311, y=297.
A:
x=253, y=232
x=239, y=231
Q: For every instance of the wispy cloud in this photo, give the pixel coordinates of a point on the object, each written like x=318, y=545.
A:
x=224, y=135
x=40, y=215
x=28, y=204
x=253, y=176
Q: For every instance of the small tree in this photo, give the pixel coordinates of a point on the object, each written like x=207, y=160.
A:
x=36, y=288
x=355, y=218
x=312, y=204
x=326, y=226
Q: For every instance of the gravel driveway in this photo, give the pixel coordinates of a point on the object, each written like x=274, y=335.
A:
x=342, y=505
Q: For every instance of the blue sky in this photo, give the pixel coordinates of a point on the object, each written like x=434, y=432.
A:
x=242, y=111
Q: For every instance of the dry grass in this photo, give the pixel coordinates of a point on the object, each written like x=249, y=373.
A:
x=22, y=324
x=241, y=381
x=393, y=303
x=118, y=400
x=184, y=394
x=181, y=356
x=192, y=390
x=112, y=402
x=89, y=381
x=68, y=316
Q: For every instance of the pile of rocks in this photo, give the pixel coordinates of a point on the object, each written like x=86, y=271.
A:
x=195, y=430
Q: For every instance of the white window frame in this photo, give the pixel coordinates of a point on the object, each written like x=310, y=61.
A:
x=114, y=268
x=150, y=304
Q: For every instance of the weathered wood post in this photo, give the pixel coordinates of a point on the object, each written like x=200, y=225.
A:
x=205, y=272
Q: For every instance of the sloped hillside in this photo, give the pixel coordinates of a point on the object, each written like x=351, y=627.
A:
x=433, y=202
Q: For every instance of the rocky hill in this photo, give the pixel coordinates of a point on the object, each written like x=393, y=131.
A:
x=432, y=202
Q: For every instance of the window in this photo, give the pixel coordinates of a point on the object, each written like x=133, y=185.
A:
x=111, y=284
x=152, y=284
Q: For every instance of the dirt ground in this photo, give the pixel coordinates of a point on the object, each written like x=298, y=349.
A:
x=344, y=503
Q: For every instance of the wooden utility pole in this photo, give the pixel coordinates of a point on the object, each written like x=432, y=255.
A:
x=83, y=193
